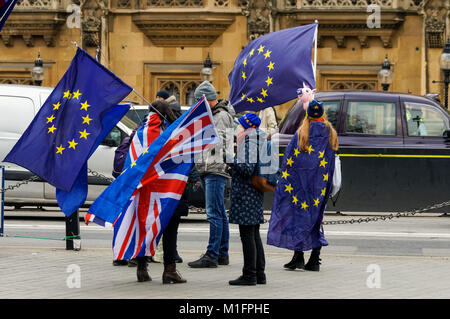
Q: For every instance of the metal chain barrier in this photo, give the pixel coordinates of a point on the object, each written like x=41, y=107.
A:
x=330, y=222
x=387, y=217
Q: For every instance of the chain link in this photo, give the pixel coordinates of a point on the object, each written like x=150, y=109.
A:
x=11, y=187
x=387, y=217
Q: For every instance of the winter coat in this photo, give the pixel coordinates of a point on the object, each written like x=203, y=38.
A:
x=223, y=116
x=183, y=205
x=174, y=105
x=246, y=206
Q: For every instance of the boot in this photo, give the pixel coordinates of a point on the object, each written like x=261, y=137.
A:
x=141, y=272
x=313, y=263
x=171, y=275
x=243, y=281
x=297, y=261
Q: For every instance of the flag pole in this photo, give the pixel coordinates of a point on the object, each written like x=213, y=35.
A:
x=149, y=104
x=315, y=47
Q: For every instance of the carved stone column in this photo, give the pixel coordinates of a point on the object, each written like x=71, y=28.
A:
x=259, y=17
x=94, y=26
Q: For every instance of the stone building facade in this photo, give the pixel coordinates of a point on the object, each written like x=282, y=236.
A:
x=156, y=44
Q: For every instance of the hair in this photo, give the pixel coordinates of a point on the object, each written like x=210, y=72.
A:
x=165, y=110
x=303, y=134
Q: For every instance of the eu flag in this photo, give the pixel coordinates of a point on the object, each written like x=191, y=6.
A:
x=6, y=6
x=269, y=69
x=65, y=131
x=302, y=193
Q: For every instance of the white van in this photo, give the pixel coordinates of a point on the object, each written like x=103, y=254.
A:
x=18, y=106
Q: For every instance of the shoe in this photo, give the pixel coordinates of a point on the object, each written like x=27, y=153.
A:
x=141, y=272
x=204, y=262
x=120, y=262
x=313, y=263
x=178, y=259
x=171, y=275
x=242, y=281
x=261, y=279
x=297, y=261
x=223, y=260
x=132, y=263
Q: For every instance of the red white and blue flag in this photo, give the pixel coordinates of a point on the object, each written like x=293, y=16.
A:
x=6, y=6
x=142, y=200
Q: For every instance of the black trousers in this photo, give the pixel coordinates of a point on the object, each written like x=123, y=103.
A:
x=169, y=239
x=252, y=248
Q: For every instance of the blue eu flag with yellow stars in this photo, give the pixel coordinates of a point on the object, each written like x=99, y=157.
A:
x=72, y=122
x=302, y=193
x=271, y=68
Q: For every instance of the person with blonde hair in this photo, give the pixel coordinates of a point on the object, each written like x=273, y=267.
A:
x=303, y=189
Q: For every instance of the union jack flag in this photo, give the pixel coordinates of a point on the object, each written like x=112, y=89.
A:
x=142, y=218
x=6, y=6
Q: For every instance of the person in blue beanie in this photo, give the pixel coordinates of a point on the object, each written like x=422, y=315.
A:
x=246, y=208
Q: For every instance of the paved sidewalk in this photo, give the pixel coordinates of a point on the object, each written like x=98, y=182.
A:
x=35, y=272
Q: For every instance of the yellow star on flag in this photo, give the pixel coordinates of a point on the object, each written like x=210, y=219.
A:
x=76, y=94
x=322, y=193
x=325, y=177
x=260, y=49
x=60, y=149
x=289, y=161
x=316, y=202
x=260, y=100
x=145, y=151
x=250, y=99
x=245, y=62
x=50, y=119
x=321, y=154
x=243, y=96
x=269, y=81
x=56, y=106
x=294, y=199
x=252, y=51
x=51, y=129
x=296, y=152
x=67, y=94
x=310, y=149
x=86, y=119
x=304, y=205
x=133, y=164
x=84, y=106
x=270, y=66
x=285, y=174
x=267, y=54
x=264, y=93
x=72, y=144
x=243, y=75
x=84, y=134
x=323, y=163
x=288, y=188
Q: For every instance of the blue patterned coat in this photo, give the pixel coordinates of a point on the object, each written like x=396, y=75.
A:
x=246, y=202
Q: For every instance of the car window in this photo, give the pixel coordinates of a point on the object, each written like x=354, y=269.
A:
x=377, y=118
x=134, y=117
x=423, y=120
x=10, y=107
x=332, y=110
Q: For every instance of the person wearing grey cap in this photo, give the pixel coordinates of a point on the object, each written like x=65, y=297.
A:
x=214, y=174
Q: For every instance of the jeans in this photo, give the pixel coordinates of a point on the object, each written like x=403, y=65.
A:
x=253, y=251
x=219, y=234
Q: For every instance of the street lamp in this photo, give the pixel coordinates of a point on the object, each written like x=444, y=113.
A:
x=445, y=67
x=385, y=74
x=207, y=70
x=37, y=73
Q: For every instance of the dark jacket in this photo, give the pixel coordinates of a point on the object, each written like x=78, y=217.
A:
x=246, y=201
x=183, y=205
